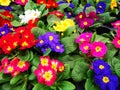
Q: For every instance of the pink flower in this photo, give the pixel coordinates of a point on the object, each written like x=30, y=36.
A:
x=118, y=32
x=54, y=64
x=98, y=49
x=84, y=37
x=86, y=22
x=116, y=24
x=84, y=47
x=15, y=73
x=9, y=69
x=61, y=67
x=21, y=2
x=4, y=62
x=22, y=66
x=116, y=42
x=44, y=61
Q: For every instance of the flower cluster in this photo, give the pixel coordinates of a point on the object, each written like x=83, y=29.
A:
x=101, y=6
x=96, y=49
x=63, y=25
x=22, y=38
x=47, y=70
x=116, y=40
x=50, y=40
x=103, y=76
x=29, y=15
x=48, y=3
x=13, y=67
x=21, y=2
x=85, y=20
x=5, y=18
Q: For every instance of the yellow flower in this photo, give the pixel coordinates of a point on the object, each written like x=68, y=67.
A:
x=113, y=4
x=63, y=25
x=97, y=0
x=5, y=2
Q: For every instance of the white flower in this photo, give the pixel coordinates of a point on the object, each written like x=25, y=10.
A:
x=29, y=15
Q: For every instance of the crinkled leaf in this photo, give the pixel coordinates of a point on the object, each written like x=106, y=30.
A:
x=16, y=23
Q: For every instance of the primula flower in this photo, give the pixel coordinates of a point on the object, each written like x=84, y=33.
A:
x=15, y=73
x=6, y=8
x=22, y=66
x=116, y=24
x=4, y=30
x=116, y=42
x=4, y=62
x=61, y=67
x=101, y=7
x=80, y=16
x=44, y=61
x=84, y=37
x=118, y=32
x=5, y=2
x=69, y=14
x=58, y=48
x=7, y=48
x=20, y=30
x=9, y=69
x=113, y=4
x=54, y=64
x=101, y=67
x=106, y=81
x=63, y=25
x=30, y=15
x=21, y=2
x=98, y=49
x=84, y=47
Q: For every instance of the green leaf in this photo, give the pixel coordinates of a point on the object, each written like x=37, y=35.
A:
x=78, y=10
x=6, y=86
x=36, y=60
x=4, y=78
x=90, y=73
x=66, y=73
x=101, y=38
x=93, y=37
x=37, y=32
x=51, y=19
x=90, y=85
x=32, y=76
x=69, y=43
x=63, y=6
x=90, y=9
x=117, y=69
x=40, y=24
x=30, y=5
x=47, y=52
x=65, y=85
x=42, y=7
x=41, y=87
x=30, y=55
x=15, y=79
x=45, y=12
x=91, y=2
x=24, y=55
x=79, y=72
x=70, y=30
x=16, y=23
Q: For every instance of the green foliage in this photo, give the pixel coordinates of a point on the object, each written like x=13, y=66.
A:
x=4, y=78
x=65, y=85
x=79, y=72
x=69, y=43
x=117, y=69
x=89, y=9
x=30, y=5
x=90, y=85
x=47, y=52
x=16, y=23
x=41, y=87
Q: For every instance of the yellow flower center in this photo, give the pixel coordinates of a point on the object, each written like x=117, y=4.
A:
x=105, y=79
x=8, y=48
x=44, y=62
x=10, y=69
x=68, y=1
x=21, y=31
x=98, y=49
x=61, y=68
x=48, y=75
x=85, y=23
x=15, y=44
x=57, y=47
x=24, y=44
x=101, y=67
x=21, y=64
x=41, y=41
x=3, y=32
x=50, y=38
x=85, y=47
x=80, y=16
x=118, y=42
x=26, y=36
x=54, y=66
x=22, y=1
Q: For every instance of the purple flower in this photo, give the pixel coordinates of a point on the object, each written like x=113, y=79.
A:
x=6, y=8
x=5, y=30
x=69, y=14
x=101, y=7
x=106, y=81
x=101, y=67
x=58, y=48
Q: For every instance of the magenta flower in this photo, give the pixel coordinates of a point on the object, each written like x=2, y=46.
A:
x=84, y=37
x=98, y=49
x=116, y=24
x=21, y=2
x=118, y=32
x=80, y=16
x=84, y=47
x=86, y=22
x=116, y=42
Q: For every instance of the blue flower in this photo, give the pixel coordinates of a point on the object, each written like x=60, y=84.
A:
x=6, y=8
x=101, y=7
x=86, y=6
x=58, y=48
x=69, y=14
x=4, y=30
x=106, y=81
x=101, y=67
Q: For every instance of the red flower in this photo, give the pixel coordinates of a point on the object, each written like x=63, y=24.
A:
x=57, y=13
x=41, y=1
x=20, y=30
